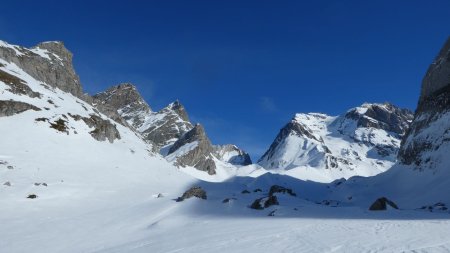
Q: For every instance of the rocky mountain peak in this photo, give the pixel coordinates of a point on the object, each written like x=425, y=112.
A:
x=125, y=100
x=49, y=62
x=179, y=109
x=56, y=47
x=363, y=141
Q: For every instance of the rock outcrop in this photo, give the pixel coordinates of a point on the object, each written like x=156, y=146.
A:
x=427, y=142
x=9, y=107
x=17, y=85
x=166, y=126
x=382, y=204
x=194, y=149
x=103, y=129
x=49, y=62
x=123, y=102
x=195, y=191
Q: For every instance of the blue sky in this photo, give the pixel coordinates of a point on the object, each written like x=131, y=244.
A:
x=243, y=68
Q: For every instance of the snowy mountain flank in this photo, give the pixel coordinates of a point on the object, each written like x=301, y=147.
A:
x=364, y=141
x=169, y=129
x=107, y=173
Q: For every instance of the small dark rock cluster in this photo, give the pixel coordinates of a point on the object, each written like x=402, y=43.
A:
x=280, y=189
x=59, y=125
x=228, y=200
x=436, y=207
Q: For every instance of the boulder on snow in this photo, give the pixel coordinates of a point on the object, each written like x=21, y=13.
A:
x=280, y=189
x=32, y=196
x=381, y=204
x=193, y=192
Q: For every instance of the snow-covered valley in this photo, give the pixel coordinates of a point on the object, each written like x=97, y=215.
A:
x=79, y=177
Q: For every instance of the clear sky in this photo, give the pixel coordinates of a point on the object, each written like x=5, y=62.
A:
x=243, y=68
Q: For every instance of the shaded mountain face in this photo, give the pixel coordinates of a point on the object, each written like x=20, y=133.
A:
x=427, y=143
x=364, y=141
x=232, y=154
x=48, y=62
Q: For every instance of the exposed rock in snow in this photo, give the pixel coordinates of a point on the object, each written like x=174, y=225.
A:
x=382, y=204
x=103, y=129
x=364, y=141
x=17, y=85
x=8, y=108
x=195, y=191
x=123, y=101
x=199, y=153
x=280, y=189
x=166, y=126
x=261, y=203
x=49, y=62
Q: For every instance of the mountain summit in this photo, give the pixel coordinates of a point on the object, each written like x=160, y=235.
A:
x=363, y=141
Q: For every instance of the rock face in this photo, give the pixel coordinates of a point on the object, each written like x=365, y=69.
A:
x=9, y=108
x=363, y=141
x=103, y=129
x=17, y=85
x=382, y=116
x=123, y=101
x=49, y=62
x=427, y=143
x=166, y=126
x=194, y=149
x=232, y=154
